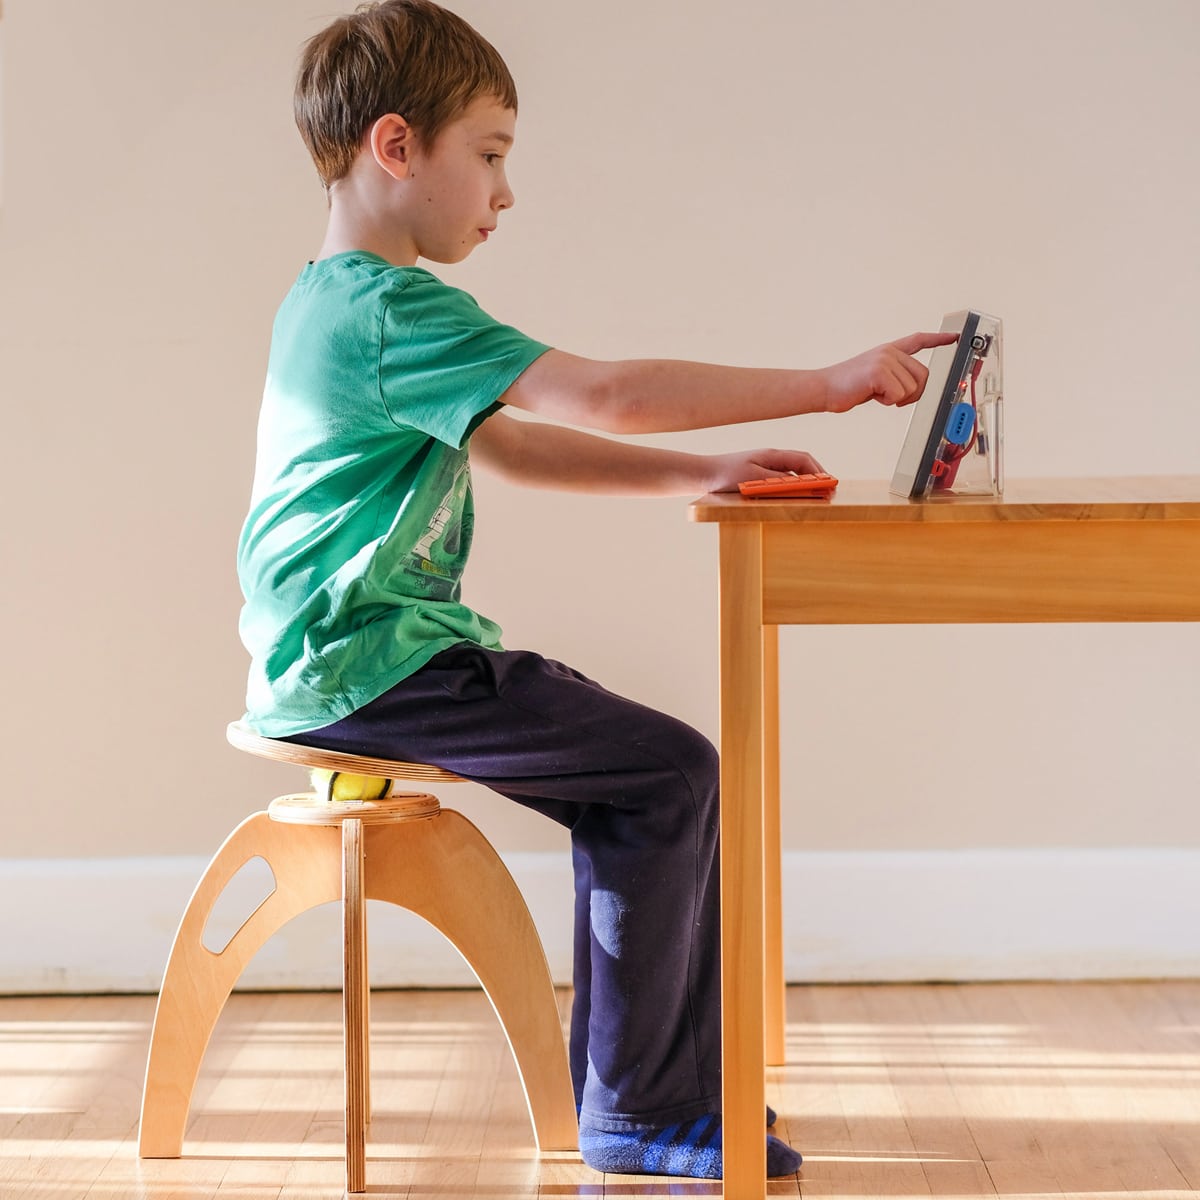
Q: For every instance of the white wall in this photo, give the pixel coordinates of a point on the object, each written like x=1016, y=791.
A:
x=776, y=183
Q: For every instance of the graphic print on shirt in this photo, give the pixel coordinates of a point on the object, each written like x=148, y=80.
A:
x=441, y=549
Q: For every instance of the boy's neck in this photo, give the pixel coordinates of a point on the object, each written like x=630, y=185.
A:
x=363, y=216
x=346, y=232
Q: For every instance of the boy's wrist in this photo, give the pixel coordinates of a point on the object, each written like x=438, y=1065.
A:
x=822, y=389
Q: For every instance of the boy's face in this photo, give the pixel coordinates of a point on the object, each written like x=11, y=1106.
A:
x=457, y=188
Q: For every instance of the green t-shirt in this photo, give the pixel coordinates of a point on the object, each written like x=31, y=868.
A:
x=361, y=515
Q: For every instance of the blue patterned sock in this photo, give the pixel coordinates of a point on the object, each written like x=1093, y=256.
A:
x=691, y=1149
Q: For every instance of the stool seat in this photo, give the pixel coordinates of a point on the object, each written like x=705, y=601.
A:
x=404, y=848
x=242, y=737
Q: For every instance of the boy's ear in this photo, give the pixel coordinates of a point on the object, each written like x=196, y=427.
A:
x=391, y=140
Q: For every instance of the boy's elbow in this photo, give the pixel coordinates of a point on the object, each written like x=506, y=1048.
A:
x=608, y=400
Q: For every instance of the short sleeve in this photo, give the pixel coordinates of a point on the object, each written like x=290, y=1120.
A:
x=443, y=362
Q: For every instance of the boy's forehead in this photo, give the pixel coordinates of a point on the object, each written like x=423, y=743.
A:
x=487, y=117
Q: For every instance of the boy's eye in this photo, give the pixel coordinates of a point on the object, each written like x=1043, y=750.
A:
x=492, y=159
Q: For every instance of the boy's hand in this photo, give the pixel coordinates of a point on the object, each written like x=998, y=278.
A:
x=728, y=470
x=889, y=373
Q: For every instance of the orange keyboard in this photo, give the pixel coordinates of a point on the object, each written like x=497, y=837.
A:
x=815, y=487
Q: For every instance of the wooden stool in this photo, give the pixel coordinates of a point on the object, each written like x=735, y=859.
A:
x=406, y=849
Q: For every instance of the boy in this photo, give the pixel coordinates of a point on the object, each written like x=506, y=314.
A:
x=384, y=388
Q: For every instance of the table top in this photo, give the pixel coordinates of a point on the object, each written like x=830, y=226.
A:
x=1126, y=498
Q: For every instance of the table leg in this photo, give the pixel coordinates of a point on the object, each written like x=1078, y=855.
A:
x=776, y=993
x=742, y=1014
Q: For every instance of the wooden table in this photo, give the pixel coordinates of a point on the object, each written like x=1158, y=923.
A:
x=1053, y=550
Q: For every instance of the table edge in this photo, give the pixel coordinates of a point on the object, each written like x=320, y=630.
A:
x=1126, y=498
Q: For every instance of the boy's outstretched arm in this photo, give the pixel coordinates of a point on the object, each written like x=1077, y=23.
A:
x=663, y=395
x=538, y=454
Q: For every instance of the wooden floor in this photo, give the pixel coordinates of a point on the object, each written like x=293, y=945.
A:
x=1029, y=1090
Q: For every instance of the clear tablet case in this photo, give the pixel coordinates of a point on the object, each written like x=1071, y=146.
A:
x=969, y=460
x=955, y=440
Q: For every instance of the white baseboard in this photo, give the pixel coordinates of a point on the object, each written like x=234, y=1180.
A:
x=105, y=925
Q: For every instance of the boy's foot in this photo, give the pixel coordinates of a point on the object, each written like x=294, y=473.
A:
x=691, y=1149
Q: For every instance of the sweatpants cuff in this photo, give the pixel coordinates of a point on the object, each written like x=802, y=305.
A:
x=633, y=1122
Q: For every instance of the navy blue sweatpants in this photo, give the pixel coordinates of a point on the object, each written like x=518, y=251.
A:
x=639, y=792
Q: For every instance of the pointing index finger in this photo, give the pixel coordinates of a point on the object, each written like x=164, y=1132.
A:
x=924, y=341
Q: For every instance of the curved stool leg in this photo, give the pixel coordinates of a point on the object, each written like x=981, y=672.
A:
x=444, y=870
x=197, y=982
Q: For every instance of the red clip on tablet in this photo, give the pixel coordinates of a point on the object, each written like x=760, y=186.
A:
x=813, y=487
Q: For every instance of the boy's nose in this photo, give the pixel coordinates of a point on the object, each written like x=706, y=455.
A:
x=504, y=198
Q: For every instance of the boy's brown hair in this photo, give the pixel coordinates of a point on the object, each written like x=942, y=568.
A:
x=409, y=57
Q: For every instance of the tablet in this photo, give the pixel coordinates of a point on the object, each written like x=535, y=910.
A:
x=954, y=439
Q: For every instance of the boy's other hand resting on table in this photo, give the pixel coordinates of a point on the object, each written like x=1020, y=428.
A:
x=728, y=470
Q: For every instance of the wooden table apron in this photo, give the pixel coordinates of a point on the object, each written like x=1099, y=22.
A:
x=1052, y=550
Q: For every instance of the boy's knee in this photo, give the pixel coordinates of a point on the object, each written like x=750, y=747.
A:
x=708, y=762
x=698, y=764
